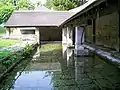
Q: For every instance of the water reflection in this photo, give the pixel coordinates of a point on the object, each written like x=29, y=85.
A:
x=54, y=70
x=90, y=73
x=65, y=80
x=33, y=80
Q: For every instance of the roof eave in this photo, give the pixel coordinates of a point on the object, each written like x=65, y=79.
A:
x=83, y=11
x=12, y=26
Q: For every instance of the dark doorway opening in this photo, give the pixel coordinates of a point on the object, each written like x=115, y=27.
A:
x=73, y=35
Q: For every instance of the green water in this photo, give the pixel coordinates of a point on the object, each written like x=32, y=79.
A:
x=57, y=69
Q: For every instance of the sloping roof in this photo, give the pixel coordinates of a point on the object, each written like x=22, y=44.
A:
x=41, y=8
x=78, y=9
x=82, y=8
x=37, y=18
x=48, y=18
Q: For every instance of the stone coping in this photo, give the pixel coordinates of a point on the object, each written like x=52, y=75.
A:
x=105, y=54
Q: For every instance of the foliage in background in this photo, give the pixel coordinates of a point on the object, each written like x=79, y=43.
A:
x=8, y=6
x=63, y=4
x=48, y=4
x=2, y=30
x=38, y=3
x=24, y=5
x=5, y=12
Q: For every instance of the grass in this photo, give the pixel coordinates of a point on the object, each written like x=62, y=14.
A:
x=7, y=42
x=2, y=30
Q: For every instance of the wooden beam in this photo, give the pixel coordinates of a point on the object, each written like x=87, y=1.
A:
x=118, y=4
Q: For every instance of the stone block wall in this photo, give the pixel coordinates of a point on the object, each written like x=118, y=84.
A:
x=107, y=30
x=89, y=33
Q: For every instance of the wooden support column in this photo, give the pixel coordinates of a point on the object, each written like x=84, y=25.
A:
x=79, y=40
x=64, y=36
x=37, y=33
x=94, y=27
x=69, y=37
x=119, y=29
x=8, y=32
x=119, y=22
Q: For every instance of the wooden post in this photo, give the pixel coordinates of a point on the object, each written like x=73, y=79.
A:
x=64, y=36
x=37, y=32
x=94, y=37
x=119, y=29
x=69, y=36
x=8, y=32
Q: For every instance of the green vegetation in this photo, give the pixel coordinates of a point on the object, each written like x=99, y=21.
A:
x=4, y=53
x=27, y=48
x=2, y=30
x=64, y=4
x=7, y=42
x=12, y=59
x=5, y=12
x=8, y=6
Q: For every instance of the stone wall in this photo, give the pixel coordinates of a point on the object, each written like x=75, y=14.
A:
x=107, y=30
x=89, y=33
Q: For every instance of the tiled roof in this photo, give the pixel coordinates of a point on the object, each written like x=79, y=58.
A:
x=36, y=18
x=45, y=18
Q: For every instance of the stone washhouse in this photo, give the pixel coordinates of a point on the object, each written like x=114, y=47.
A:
x=97, y=22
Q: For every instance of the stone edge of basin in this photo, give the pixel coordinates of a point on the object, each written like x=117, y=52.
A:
x=104, y=54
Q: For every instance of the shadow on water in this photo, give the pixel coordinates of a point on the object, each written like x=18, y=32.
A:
x=53, y=70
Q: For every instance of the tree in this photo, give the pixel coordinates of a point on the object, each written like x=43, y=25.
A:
x=63, y=4
x=48, y=4
x=24, y=5
x=5, y=12
x=38, y=3
x=8, y=6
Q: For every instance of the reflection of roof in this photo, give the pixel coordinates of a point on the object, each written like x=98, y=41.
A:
x=41, y=8
x=36, y=18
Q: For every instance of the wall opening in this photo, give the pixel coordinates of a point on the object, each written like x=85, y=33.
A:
x=27, y=31
x=73, y=35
